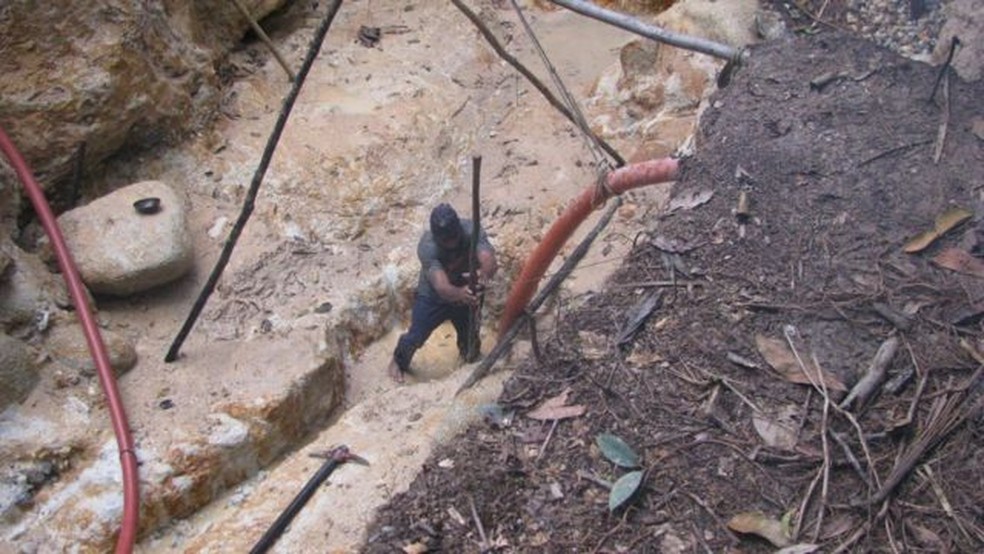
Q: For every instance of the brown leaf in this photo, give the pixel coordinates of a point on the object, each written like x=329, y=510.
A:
x=960, y=261
x=556, y=408
x=760, y=524
x=416, y=548
x=946, y=222
x=778, y=355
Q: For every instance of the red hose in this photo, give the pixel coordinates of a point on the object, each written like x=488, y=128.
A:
x=124, y=441
x=619, y=181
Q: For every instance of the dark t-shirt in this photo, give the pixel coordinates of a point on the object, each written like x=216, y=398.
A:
x=453, y=262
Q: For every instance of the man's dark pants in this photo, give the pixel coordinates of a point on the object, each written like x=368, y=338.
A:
x=428, y=313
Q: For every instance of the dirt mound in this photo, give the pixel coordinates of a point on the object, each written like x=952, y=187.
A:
x=830, y=142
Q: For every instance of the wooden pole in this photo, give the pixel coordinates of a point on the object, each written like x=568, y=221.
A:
x=475, y=314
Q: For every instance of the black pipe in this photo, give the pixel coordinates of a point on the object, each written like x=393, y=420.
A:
x=280, y=525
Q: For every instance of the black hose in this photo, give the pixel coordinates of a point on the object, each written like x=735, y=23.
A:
x=280, y=525
x=254, y=187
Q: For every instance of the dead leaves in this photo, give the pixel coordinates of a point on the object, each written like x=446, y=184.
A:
x=801, y=371
x=946, y=222
x=960, y=261
x=556, y=408
x=757, y=523
x=689, y=200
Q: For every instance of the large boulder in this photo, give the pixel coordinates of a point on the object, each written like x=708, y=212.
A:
x=120, y=251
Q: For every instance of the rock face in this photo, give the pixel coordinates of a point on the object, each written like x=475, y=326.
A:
x=27, y=289
x=120, y=251
x=109, y=74
x=16, y=371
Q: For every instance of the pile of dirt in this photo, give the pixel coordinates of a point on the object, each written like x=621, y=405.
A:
x=790, y=247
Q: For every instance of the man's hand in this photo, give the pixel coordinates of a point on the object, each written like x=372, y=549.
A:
x=464, y=295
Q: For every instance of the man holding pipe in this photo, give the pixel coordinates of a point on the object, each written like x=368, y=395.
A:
x=444, y=291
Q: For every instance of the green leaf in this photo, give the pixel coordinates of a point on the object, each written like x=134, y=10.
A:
x=623, y=489
x=617, y=451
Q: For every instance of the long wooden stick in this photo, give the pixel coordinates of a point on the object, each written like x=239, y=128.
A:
x=254, y=187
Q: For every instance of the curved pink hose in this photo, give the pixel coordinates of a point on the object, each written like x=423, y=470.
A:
x=128, y=459
x=619, y=181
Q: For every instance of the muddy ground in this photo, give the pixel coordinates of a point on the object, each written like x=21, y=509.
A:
x=832, y=142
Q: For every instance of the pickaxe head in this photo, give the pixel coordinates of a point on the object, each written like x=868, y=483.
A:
x=340, y=454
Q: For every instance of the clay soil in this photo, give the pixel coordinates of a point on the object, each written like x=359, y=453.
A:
x=831, y=139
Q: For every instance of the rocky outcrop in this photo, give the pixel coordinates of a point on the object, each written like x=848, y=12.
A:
x=119, y=250
x=653, y=97
x=109, y=74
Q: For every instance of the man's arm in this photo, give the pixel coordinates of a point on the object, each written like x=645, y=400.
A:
x=488, y=265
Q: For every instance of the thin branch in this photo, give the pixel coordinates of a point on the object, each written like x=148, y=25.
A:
x=264, y=38
x=623, y=21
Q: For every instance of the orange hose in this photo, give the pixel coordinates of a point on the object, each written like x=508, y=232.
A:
x=619, y=181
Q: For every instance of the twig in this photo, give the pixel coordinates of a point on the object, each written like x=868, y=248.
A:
x=534, y=341
x=518, y=66
x=944, y=121
x=944, y=69
x=847, y=544
x=264, y=38
x=891, y=151
x=727, y=383
x=851, y=459
x=945, y=416
x=645, y=284
x=254, y=187
x=927, y=472
x=874, y=375
x=700, y=502
x=478, y=523
x=609, y=534
x=789, y=332
x=594, y=479
x=546, y=441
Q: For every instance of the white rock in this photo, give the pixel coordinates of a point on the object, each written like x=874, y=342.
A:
x=120, y=251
